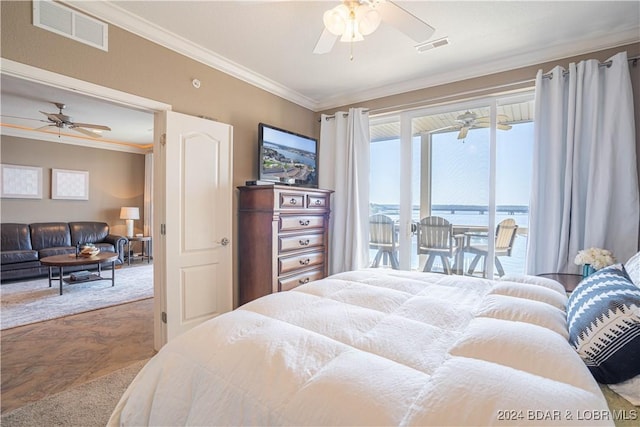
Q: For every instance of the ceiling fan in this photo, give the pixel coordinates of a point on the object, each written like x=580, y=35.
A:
x=470, y=120
x=62, y=121
x=354, y=19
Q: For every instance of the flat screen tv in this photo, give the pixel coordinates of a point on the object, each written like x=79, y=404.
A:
x=287, y=157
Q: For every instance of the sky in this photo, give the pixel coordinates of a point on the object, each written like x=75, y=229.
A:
x=289, y=139
x=460, y=169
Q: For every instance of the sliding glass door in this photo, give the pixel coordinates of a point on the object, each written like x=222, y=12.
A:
x=384, y=197
x=455, y=181
x=455, y=188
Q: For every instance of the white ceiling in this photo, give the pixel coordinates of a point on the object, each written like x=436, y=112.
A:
x=270, y=44
x=22, y=102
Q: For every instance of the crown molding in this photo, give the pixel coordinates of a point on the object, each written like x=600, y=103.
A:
x=45, y=77
x=65, y=138
x=39, y=75
x=117, y=16
x=499, y=65
x=113, y=14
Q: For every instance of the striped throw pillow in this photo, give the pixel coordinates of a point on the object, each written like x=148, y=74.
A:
x=603, y=316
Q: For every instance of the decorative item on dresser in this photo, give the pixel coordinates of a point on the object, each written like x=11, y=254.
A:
x=283, y=238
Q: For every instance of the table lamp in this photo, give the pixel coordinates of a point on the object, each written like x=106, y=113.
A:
x=129, y=214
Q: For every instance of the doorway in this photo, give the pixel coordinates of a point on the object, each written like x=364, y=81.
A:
x=49, y=83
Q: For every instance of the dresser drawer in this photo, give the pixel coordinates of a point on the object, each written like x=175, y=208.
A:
x=317, y=201
x=291, y=200
x=288, y=264
x=291, y=282
x=301, y=222
x=304, y=241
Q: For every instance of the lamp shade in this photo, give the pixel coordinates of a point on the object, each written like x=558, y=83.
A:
x=129, y=213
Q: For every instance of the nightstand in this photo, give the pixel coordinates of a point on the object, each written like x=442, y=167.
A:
x=568, y=280
x=146, y=244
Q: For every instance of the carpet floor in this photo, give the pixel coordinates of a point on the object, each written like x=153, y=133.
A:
x=33, y=301
x=86, y=405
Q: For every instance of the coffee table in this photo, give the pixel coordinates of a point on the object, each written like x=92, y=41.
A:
x=62, y=261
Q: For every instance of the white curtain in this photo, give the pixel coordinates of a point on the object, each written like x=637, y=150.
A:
x=585, y=181
x=344, y=168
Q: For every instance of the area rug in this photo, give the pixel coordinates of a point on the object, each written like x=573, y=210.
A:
x=86, y=405
x=33, y=301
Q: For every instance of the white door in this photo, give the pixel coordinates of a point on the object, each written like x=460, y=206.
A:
x=192, y=221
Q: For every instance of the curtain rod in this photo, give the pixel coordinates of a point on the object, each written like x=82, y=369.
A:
x=333, y=116
x=507, y=86
x=422, y=103
x=633, y=61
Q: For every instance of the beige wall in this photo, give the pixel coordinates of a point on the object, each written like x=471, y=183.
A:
x=487, y=85
x=509, y=80
x=115, y=179
x=140, y=67
x=137, y=66
x=491, y=84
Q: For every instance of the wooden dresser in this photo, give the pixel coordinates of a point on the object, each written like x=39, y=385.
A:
x=283, y=236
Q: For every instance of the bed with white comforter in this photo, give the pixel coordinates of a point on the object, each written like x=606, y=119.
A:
x=376, y=347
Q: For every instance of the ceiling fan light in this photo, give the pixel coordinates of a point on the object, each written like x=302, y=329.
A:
x=367, y=19
x=335, y=20
x=351, y=33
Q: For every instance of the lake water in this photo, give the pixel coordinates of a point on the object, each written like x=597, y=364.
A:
x=515, y=264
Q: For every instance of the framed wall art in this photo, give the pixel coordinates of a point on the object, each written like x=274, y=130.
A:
x=21, y=182
x=69, y=184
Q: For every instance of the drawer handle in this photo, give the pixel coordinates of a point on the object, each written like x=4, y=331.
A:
x=303, y=281
x=304, y=222
x=318, y=202
x=292, y=201
x=304, y=242
x=304, y=261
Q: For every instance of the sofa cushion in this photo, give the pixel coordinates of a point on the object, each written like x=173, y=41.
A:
x=59, y=250
x=14, y=237
x=88, y=232
x=49, y=235
x=14, y=257
x=105, y=247
x=20, y=266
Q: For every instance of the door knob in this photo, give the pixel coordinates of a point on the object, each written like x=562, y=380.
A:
x=224, y=241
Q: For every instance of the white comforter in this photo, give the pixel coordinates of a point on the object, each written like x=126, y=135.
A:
x=375, y=347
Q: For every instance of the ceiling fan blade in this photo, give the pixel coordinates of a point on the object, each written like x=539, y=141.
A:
x=463, y=132
x=405, y=21
x=499, y=117
x=325, y=42
x=42, y=127
x=52, y=116
x=441, y=129
x=86, y=132
x=503, y=127
x=89, y=125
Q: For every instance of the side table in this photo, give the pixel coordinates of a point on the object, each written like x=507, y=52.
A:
x=568, y=280
x=145, y=241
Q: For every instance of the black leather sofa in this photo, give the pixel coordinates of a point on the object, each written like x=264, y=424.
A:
x=23, y=245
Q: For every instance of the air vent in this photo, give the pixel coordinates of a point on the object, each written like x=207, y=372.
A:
x=67, y=22
x=423, y=47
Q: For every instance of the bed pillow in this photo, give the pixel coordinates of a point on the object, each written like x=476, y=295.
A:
x=603, y=316
x=632, y=266
x=535, y=280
